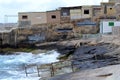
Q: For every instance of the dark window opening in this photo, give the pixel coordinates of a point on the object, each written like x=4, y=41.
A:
x=110, y=8
x=24, y=17
x=86, y=11
x=53, y=16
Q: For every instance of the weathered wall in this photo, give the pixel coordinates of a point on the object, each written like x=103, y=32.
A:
x=24, y=14
x=96, y=11
x=65, y=11
x=108, y=9
x=53, y=17
x=112, y=0
x=75, y=14
x=38, y=18
x=65, y=19
x=117, y=8
x=117, y=1
x=116, y=30
x=32, y=18
x=111, y=10
x=89, y=15
x=24, y=22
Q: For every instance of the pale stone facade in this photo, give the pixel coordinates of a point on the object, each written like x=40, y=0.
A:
x=32, y=18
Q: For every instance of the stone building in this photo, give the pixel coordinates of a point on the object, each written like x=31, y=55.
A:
x=87, y=12
x=76, y=13
x=96, y=13
x=116, y=1
x=111, y=0
x=108, y=9
x=117, y=7
x=53, y=16
x=31, y=18
x=65, y=14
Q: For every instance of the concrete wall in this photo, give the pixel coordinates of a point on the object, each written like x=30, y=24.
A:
x=116, y=30
x=20, y=15
x=32, y=18
x=111, y=0
x=24, y=22
x=87, y=8
x=75, y=14
x=53, y=17
x=96, y=10
x=96, y=13
x=38, y=18
x=65, y=11
x=111, y=10
x=78, y=12
x=117, y=8
x=65, y=19
x=108, y=9
x=65, y=14
x=106, y=26
x=117, y=1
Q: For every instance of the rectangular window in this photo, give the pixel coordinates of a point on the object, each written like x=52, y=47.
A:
x=86, y=11
x=24, y=17
x=110, y=8
x=53, y=16
x=111, y=23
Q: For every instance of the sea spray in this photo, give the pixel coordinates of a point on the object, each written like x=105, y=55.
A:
x=11, y=66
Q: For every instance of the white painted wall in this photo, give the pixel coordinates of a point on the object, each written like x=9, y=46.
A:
x=117, y=23
x=105, y=28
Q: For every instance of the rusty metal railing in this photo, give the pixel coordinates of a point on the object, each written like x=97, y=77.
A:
x=54, y=68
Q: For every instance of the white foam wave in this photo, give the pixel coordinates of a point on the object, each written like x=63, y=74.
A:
x=22, y=78
x=10, y=62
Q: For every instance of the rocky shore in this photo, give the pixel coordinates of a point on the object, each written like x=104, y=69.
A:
x=105, y=73
x=84, y=54
x=90, y=57
x=95, y=56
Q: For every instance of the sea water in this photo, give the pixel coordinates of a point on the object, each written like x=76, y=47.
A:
x=11, y=66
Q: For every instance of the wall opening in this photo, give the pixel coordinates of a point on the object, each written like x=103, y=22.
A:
x=24, y=17
x=86, y=11
x=110, y=8
x=1, y=42
x=53, y=16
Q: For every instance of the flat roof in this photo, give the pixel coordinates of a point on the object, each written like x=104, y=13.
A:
x=53, y=11
x=107, y=2
x=71, y=7
x=29, y=12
